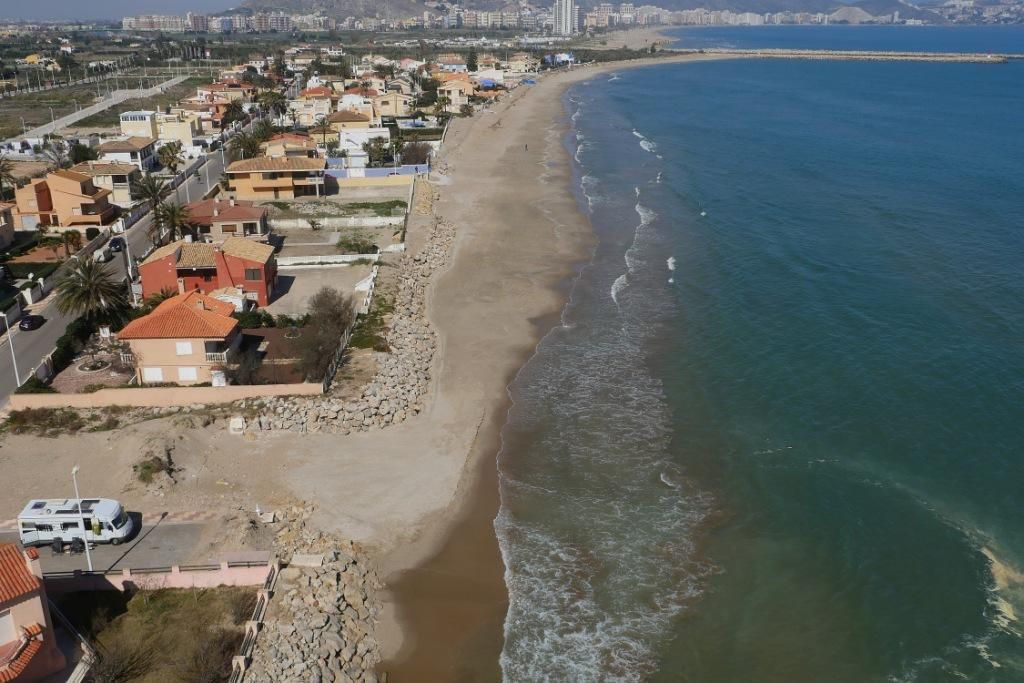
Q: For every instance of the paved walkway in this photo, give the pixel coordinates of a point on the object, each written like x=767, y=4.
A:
x=115, y=97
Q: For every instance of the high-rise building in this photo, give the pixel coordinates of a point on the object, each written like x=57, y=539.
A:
x=565, y=18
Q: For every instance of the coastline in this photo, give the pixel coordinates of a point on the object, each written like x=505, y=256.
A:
x=516, y=254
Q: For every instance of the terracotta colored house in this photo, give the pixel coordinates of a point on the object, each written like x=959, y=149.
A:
x=215, y=220
x=64, y=199
x=116, y=177
x=28, y=648
x=276, y=178
x=183, y=340
x=239, y=263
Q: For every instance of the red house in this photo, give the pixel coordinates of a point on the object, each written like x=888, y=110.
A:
x=238, y=264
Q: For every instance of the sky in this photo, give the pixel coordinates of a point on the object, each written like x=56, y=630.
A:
x=104, y=9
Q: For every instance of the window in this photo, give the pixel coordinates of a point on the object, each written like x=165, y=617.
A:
x=207, y=278
x=229, y=227
x=250, y=228
x=183, y=348
x=152, y=375
x=253, y=274
x=44, y=527
x=187, y=374
x=70, y=526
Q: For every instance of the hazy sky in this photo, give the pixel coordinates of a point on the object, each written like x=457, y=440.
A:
x=105, y=9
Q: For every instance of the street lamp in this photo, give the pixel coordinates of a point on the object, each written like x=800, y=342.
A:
x=81, y=517
x=10, y=342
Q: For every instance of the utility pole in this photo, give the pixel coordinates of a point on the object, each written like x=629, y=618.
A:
x=81, y=517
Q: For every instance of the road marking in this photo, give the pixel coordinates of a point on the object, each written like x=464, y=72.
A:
x=151, y=517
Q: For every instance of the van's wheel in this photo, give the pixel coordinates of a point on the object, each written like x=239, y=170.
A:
x=115, y=541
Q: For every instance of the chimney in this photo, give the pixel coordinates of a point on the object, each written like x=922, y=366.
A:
x=32, y=562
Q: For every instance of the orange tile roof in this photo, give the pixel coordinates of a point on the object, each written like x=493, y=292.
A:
x=250, y=250
x=347, y=116
x=191, y=315
x=15, y=578
x=319, y=91
x=201, y=212
x=277, y=164
x=21, y=662
x=100, y=168
x=132, y=144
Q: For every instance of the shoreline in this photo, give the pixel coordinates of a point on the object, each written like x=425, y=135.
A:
x=445, y=601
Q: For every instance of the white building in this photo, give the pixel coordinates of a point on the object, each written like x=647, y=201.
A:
x=565, y=18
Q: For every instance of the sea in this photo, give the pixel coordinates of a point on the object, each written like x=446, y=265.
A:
x=778, y=433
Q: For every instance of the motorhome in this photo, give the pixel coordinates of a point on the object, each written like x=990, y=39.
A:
x=43, y=521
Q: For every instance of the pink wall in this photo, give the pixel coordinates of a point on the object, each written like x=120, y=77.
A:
x=173, y=577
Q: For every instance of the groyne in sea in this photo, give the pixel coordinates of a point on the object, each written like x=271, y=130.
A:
x=875, y=56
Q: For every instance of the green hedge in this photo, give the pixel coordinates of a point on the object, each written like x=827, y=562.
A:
x=35, y=386
x=77, y=333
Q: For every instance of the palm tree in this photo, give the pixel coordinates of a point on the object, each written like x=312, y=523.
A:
x=175, y=217
x=6, y=173
x=441, y=104
x=56, y=154
x=72, y=240
x=274, y=102
x=263, y=130
x=91, y=290
x=233, y=112
x=152, y=189
x=245, y=144
x=171, y=156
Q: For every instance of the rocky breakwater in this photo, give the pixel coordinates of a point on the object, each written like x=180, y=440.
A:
x=396, y=390
x=319, y=628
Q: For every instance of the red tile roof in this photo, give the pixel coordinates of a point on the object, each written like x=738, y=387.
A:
x=319, y=91
x=201, y=212
x=21, y=662
x=16, y=579
x=191, y=315
x=347, y=116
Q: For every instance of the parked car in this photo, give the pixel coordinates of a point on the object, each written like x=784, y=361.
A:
x=31, y=322
x=103, y=255
x=116, y=244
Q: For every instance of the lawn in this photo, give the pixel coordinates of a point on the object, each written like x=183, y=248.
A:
x=110, y=118
x=163, y=636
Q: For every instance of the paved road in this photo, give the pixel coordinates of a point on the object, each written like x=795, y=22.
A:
x=156, y=545
x=115, y=97
x=32, y=347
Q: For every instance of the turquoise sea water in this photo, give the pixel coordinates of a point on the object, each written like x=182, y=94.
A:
x=778, y=435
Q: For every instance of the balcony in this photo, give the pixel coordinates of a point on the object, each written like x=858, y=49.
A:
x=219, y=356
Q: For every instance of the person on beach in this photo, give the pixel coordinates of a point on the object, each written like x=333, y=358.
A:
x=526, y=148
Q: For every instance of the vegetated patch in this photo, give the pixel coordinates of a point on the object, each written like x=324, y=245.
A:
x=44, y=421
x=370, y=330
x=163, y=634
x=357, y=243
x=157, y=463
x=379, y=208
x=34, y=385
x=111, y=117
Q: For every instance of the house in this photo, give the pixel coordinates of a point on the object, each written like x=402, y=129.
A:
x=64, y=199
x=137, y=150
x=6, y=224
x=457, y=92
x=289, y=145
x=141, y=124
x=347, y=119
x=393, y=104
x=452, y=62
x=171, y=126
x=276, y=178
x=188, y=266
x=231, y=90
x=215, y=220
x=28, y=646
x=183, y=340
x=309, y=112
x=117, y=177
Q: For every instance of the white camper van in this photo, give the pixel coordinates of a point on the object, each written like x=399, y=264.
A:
x=42, y=521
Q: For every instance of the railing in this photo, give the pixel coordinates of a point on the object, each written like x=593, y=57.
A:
x=88, y=653
x=240, y=663
x=217, y=357
x=128, y=359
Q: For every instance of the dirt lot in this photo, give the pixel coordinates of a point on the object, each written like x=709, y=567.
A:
x=109, y=118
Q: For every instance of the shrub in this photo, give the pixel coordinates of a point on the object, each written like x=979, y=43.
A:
x=330, y=315
x=356, y=243
x=44, y=421
x=35, y=386
x=146, y=469
x=254, y=319
x=91, y=234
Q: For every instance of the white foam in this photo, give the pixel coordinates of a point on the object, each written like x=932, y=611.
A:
x=617, y=286
x=671, y=262
x=649, y=146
